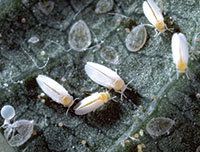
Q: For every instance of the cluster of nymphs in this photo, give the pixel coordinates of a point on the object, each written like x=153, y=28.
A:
x=18, y=132
x=99, y=74
x=179, y=43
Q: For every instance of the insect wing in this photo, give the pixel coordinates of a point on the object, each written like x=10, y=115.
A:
x=148, y=12
x=52, y=88
x=152, y=12
x=184, y=47
x=88, y=104
x=87, y=100
x=91, y=107
x=175, y=48
x=101, y=74
x=156, y=10
x=179, y=48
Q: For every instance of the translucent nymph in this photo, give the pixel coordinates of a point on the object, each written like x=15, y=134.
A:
x=109, y=54
x=136, y=39
x=104, y=6
x=79, y=36
x=159, y=126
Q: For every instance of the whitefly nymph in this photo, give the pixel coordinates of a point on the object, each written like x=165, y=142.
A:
x=104, y=6
x=91, y=103
x=154, y=15
x=136, y=39
x=55, y=91
x=159, y=126
x=79, y=36
x=180, y=52
x=105, y=77
x=109, y=54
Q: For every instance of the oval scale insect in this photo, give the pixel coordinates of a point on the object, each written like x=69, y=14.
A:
x=136, y=39
x=180, y=52
x=104, y=6
x=91, y=103
x=55, y=91
x=79, y=36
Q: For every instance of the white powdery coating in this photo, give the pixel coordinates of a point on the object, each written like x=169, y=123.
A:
x=88, y=104
x=7, y=112
x=159, y=126
x=104, y=76
x=104, y=6
x=79, y=37
x=179, y=48
x=21, y=131
x=136, y=39
x=152, y=12
x=109, y=54
x=52, y=88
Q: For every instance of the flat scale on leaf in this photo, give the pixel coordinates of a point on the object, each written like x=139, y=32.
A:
x=159, y=126
x=109, y=54
x=79, y=36
x=104, y=6
x=136, y=38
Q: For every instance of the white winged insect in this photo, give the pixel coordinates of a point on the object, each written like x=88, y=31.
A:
x=180, y=52
x=105, y=77
x=91, y=103
x=55, y=91
x=154, y=15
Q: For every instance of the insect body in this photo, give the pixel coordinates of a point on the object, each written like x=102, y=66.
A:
x=79, y=36
x=18, y=132
x=91, y=103
x=180, y=52
x=136, y=38
x=154, y=15
x=55, y=91
x=105, y=77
